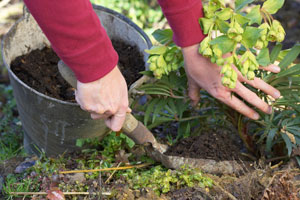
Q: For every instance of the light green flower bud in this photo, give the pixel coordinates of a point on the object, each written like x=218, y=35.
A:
x=213, y=59
x=152, y=66
x=233, y=76
x=174, y=67
x=225, y=81
x=232, y=84
x=152, y=59
x=225, y=68
x=220, y=61
x=238, y=38
x=244, y=71
x=207, y=52
x=228, y=73
x=217, y=51
x=259, y=44
x=232, y=32
x=252, y=67
x=272, y=36
x=250, y=75
x=246, y=64
x=263, y=37
x=280, y=37
x=168, y=57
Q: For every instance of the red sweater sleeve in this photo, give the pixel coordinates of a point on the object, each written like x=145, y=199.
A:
x=183, y=17
x=76, y=35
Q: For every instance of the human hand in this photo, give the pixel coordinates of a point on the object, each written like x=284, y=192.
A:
x=202, y=73
x=106, y=98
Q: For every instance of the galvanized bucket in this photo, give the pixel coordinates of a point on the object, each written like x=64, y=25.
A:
x=49, y=124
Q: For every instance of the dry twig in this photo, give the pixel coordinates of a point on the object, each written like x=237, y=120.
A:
x=106, y=169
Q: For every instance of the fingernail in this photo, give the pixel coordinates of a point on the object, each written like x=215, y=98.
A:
x=276, y=94
x=256, y=116
x=276, y=69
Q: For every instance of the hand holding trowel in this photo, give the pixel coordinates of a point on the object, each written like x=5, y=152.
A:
x=134, y=129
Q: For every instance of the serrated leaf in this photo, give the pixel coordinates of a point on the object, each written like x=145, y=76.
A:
x=250, y=36
x=222, y=25
x=288, y=143
x=241, y=19
x=239, y=4
x=206, y=24
x=149, y=110
x=159, y=106
x=272, y=6
x=224, y=43
x=254, y=15
x=263, y=57
x=163, y=36
x=290, y=56
x=270, y=139
x=224, y=14
x=275, y=52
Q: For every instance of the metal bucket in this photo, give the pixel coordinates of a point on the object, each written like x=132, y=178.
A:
x=49, y=124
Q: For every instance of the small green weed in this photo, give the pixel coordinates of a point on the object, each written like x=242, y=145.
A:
x=10, y=126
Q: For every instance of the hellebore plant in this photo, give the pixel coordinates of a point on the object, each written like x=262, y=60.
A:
x=243, y=33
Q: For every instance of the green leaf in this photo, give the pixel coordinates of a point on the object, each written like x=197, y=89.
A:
x=275, y=52
x=298, y=160
x=241, y=19
x=290, y=56
x=224, y=14
x=206, y=24
x=295, y=70
x=250, y=36
x=272, y=6
x=149, y=110
x=224, y=43
x=163, y=36
x=288, y=143
x=270, y=139
x=80, y=142
x=147, y=73
x=156, y=50
x=254, y=15
x=159, y=106
x=222, y=25
x=263, y=57
x=239, y=4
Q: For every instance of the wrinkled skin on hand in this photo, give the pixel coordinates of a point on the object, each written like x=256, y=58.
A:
x=106, y=98
x=204, y=74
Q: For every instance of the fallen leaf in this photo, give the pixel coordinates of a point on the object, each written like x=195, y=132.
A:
x=55, y=194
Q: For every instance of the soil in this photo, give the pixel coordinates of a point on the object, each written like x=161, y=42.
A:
x=215, y=145
x=38, y=69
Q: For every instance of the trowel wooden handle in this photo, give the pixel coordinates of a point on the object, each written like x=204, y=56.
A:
x=137, y=131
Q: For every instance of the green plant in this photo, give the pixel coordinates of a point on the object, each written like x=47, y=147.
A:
x=10, y=126
x=163, y=180
x=145, y=13
x=245, y=36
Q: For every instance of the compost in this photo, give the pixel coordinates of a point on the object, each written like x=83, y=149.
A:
x=38, y=69
x=216, y=145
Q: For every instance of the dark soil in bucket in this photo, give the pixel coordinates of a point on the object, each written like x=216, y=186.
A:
x=39, y=70
x=215, y=145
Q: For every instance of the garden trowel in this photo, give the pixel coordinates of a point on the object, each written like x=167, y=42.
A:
x=134, y=129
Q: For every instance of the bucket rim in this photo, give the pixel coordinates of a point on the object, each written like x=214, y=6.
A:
x=98, y=7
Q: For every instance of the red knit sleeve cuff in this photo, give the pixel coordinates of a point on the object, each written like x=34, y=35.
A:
x=183, y=17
